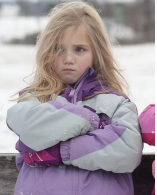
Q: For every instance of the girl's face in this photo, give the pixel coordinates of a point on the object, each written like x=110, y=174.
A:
x=75, y=55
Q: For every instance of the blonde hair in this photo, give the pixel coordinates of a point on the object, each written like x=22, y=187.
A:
x=46, y=83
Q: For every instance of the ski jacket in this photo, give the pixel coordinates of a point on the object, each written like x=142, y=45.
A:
x=95, y=161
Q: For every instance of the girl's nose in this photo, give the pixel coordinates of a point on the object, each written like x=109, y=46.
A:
x=69, y=58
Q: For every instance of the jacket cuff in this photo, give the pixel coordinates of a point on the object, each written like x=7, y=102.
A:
x=65, y=151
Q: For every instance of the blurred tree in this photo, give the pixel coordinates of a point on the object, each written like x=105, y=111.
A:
x=118, y=14
x=148, y=27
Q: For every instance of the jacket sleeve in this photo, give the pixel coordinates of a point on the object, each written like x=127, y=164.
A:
x=42, y=125
x=117, y=147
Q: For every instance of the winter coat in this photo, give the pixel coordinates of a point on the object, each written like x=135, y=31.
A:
x=147, y=124
x=96, y=161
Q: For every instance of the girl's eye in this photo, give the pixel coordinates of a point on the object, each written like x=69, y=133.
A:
x=80, y=49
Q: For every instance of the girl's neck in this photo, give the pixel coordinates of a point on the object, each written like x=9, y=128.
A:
x=72, y=85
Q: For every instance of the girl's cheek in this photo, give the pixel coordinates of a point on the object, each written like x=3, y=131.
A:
x=56, y=63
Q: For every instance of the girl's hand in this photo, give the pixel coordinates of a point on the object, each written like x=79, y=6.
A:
x=47, y=157
x=95, y=120
x=101, y=124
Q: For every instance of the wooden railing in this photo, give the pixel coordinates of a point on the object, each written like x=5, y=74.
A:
x=142, y=176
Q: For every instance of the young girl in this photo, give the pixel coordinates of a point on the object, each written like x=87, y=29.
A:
x=78, y=132
x=147, y=124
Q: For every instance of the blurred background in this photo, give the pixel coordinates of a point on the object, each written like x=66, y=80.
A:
x=130, y=24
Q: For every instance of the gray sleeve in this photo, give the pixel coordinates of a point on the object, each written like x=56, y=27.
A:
x=42, y=125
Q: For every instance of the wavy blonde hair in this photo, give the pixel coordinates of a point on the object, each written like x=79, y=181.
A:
x=46, y=84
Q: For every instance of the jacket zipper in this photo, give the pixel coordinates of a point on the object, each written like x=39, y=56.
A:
x=73, y=94
x=74, y=91
x=75, y=193
x=75, y=190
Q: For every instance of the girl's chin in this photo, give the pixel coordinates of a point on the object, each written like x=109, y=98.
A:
x=70, y=81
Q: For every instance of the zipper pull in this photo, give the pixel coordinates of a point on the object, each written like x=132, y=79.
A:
x=72, y=92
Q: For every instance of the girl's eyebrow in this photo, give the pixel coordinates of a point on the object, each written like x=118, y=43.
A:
x=80, y=45
x=77, y=45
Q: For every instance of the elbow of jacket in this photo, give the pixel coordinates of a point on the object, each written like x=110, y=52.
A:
x=128, y=163
x=135, y=160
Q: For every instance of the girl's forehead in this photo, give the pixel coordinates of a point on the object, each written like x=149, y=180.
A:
x=75, y=35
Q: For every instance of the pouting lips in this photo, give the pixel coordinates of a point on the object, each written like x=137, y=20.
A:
x=68, y=69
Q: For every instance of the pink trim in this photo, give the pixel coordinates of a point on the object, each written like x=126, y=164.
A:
x=43, y=155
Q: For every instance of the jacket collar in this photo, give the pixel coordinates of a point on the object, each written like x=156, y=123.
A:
x=88, y=72
x=87, y=85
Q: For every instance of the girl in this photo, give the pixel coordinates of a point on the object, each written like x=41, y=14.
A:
x=78, y=132
x=147, y=124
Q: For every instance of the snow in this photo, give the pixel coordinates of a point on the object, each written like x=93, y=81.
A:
x=16, y=62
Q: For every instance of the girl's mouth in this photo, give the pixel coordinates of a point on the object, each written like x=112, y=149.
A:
x=68, y=70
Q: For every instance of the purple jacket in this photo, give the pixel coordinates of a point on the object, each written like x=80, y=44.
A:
x=95, y=161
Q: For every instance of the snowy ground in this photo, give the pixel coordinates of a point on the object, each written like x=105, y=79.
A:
x=16, y=62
